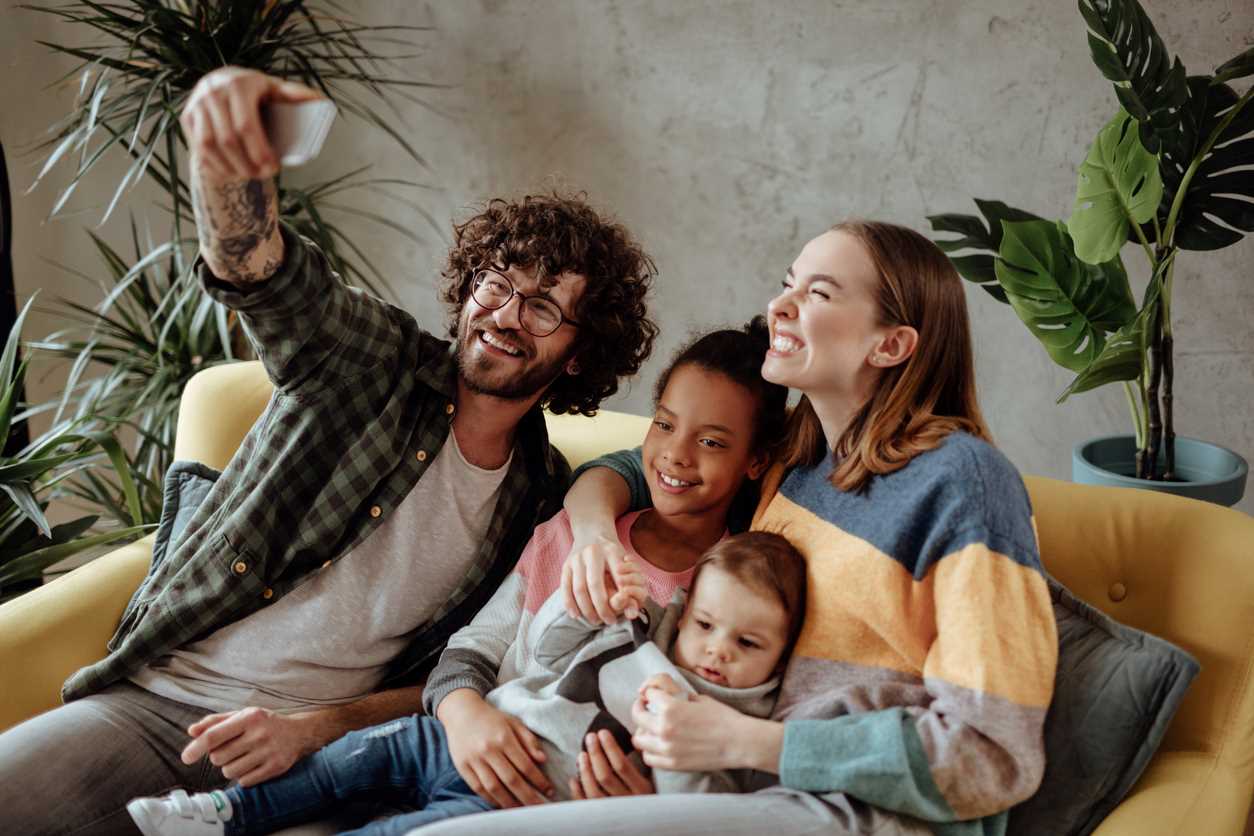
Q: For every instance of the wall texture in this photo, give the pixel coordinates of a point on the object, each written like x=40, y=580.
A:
x=726, y=134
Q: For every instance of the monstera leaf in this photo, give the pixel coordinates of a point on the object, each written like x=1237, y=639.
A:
x=1123, y=357
x=976, y=236
x=1223, y=185
x=1067, y=304
x=1127, y=50
x=1238, y=67
x=1119, y=184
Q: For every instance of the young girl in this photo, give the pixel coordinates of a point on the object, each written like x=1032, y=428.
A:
x=714, y=418
x=915, y=700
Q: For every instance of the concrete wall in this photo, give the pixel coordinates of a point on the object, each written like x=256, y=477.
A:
x=726, y=134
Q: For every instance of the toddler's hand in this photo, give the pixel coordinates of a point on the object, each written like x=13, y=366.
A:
x=632, y=590
x=660, y=682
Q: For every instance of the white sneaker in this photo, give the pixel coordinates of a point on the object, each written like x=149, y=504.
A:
x=180, y=814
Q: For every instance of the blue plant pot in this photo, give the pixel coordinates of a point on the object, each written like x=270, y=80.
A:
x=1207, y=471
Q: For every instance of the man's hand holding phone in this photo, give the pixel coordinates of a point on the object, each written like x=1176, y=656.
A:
x=225, y=123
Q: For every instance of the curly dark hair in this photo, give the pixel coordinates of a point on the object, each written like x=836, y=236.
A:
x=556, y=234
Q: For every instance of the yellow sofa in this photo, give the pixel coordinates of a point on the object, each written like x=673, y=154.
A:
x=1180, y=569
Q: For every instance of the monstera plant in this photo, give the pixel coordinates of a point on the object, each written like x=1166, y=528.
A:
x=1170, y=172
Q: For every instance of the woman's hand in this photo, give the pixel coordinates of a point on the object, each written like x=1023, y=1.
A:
x=600, y=582
x=605, y=771
x=701, y=734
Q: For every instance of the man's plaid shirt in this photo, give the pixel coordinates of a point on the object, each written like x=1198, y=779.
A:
x=363, y=401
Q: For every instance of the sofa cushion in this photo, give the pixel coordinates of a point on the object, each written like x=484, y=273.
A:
x=186, y=485
x=1115, y=692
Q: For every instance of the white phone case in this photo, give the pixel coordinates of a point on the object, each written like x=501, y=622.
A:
x=297, y=131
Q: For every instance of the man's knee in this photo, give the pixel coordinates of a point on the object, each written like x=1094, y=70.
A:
x=77, y=765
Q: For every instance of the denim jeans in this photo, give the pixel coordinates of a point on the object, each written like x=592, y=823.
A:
x=401, y=763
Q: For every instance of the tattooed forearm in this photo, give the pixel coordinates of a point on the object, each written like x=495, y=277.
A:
x=237, y=222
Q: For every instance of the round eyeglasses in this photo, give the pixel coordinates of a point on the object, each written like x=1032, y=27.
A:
x=539, y=316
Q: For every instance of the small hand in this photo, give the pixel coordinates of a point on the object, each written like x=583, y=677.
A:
x=662, y=683
x=590, y=578
x=250, y=745
x=494, y=752
x=631, y=585
x=605, y=771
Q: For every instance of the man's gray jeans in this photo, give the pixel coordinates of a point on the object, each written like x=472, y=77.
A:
x=71, y=770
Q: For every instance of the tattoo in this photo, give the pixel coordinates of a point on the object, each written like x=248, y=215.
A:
x=235, y=221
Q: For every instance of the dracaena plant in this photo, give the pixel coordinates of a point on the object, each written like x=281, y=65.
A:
x=149, y=54
x=41, y=471
x=1169, y=172
x=130, y=355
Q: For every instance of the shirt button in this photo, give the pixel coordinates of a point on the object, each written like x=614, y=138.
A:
x=240, y=567
x=421, y=455
x=376, y=511
x=449, y=409
x=1118, y=592
x=268, y=594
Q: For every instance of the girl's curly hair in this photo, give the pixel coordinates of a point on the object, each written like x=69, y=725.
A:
x=557, y=234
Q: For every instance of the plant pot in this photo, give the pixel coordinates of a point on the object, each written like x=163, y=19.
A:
x=1206, y=471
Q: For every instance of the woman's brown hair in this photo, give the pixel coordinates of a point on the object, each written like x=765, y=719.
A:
x=919, y=402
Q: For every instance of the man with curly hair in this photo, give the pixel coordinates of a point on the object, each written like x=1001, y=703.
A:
x=384, y=494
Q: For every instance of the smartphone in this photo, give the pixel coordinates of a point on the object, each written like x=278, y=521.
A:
x=297, y=131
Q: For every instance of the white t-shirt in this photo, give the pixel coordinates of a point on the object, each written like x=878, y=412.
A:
x=330, y=639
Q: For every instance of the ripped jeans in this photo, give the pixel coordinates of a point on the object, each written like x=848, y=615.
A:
x=402, y=763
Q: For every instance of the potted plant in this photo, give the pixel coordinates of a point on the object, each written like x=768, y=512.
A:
x=130, y=355
x=1168, y=173
x=39, y=472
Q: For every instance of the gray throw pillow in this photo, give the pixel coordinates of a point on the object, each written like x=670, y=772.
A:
x=1114, y=694
x=187, y=483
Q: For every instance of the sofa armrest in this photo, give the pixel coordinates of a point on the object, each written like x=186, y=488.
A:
x=1180, y=794
x=52, y=631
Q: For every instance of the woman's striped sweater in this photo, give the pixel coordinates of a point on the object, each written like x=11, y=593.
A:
x=925, y=666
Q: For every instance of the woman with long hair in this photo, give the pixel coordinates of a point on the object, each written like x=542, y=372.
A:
x=917, y=693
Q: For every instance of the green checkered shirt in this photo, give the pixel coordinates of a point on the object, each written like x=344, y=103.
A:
x=363, y=401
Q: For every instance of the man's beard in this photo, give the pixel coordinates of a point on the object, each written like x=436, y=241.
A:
x=482, y=376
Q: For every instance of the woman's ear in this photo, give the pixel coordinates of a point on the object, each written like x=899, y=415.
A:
x=572, y=366
x=895, y=347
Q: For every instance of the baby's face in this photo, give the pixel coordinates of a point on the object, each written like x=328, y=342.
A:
x=731, y=634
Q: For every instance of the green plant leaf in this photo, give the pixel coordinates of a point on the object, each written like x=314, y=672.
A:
x=976, y=235
x=1067, y=304
x=32, y=564
x=24, y=471
x=9, y=400
x=1238, y=67
x=1127, y=50
x=9, y=358
x=1123, y=357
x=1118, y=185
x=25, y=501
x=1218, y=206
